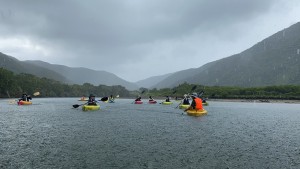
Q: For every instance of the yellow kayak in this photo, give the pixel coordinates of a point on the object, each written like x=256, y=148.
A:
x=90, y=107
x=184, y=106
x=195, y=112
x=167, y=103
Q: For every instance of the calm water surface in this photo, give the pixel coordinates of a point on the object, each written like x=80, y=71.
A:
x=52, y=134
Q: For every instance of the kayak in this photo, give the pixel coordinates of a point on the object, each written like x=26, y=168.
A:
x=194, y=112
x=184, y=106
x=24, y=102
x=83, y=99
x=167, y=103
x=138, y=102
x=90, y=107
x=152, y=102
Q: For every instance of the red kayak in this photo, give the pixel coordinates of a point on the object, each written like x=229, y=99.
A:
x=152, y=102
x=138, y=102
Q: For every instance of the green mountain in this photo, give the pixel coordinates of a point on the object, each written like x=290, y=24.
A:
x=62, y=73
x=16, y=66
x=273, y=61
x=81, y=75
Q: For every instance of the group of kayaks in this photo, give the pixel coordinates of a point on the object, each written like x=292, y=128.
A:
x=97, y=107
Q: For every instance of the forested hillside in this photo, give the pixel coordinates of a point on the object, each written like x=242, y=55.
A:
x=13, y=85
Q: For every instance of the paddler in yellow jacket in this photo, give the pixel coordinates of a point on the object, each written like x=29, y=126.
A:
x=196, y=103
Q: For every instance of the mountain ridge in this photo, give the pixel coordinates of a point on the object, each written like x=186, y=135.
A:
x=273, y=61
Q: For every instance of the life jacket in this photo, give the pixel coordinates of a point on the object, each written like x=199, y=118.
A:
x=92, y=101
x=198, y=102
x=186, y=101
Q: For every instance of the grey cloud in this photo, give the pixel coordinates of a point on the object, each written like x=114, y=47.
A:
x=124, y=32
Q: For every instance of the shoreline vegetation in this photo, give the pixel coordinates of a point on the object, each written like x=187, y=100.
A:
x=256, y=101
x=14, y=85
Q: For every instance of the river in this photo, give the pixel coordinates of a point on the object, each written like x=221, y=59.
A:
x=52, y=134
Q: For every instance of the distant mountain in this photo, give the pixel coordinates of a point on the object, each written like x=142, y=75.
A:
x=273, y=61
x=62, y=73
x=81, y=75
x=152, y=81
x=16, y=66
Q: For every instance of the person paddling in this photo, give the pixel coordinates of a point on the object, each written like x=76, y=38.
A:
x=167, y=99
x=150, y=98
x=24, y=97
x=92, y=100
x=185, y=100
x=111, y=98
x=196, y=103
x=138, y=98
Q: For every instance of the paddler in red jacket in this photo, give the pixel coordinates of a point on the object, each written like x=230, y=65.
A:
x=196, y=103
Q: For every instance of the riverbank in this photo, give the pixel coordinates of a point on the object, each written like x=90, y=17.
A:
x=257, y=100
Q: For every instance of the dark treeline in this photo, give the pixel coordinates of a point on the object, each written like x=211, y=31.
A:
x=13, y=85
x=289, y=92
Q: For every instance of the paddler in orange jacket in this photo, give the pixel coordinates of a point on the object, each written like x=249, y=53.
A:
x=196, y=103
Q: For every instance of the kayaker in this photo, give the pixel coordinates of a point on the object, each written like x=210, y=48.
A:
x=167, y=99
x=24, y=97
x=92, y=100
x=185, y=100
x=28, y=98
x=150, y=98
x=196, y=103
x=138, y=98
x=111, y=98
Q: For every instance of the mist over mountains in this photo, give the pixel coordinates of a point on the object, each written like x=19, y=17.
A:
x=273, y=61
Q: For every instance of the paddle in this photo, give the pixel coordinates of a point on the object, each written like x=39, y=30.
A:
x=36, y=93
x=104, y=99
x=200, y=94
x=178, y=104
x=77, y=105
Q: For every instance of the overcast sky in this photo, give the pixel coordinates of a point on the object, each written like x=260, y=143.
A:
x=137, y=39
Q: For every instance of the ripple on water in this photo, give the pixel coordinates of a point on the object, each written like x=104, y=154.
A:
x=52, y=134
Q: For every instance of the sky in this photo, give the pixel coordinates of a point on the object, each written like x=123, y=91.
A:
x=137, y=39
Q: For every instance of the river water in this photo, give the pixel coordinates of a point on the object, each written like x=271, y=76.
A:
x=52, y=134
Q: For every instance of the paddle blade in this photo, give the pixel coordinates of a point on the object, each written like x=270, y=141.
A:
x=104, y=99
x=76, y=105
x=36, y=93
